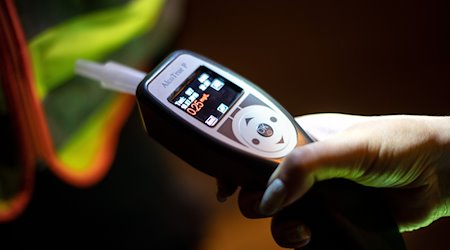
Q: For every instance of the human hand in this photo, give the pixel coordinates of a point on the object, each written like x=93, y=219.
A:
x=407, y=156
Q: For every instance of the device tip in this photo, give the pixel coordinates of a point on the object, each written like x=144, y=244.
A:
x=112, y=75
x=91, y=70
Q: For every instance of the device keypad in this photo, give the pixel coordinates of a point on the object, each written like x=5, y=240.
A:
x=263, y=129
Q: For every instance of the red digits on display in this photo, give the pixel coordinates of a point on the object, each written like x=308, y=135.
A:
x=191, y=111
x=196, y=106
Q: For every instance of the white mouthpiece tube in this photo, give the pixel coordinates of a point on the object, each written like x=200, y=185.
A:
x=112, y=75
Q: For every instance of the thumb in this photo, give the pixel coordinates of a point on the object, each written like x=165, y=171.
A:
x=340, y=156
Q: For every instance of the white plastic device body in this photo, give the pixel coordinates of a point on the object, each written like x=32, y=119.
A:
x=247, y=116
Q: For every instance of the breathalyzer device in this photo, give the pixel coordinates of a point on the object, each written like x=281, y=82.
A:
x=216, y=120
x=229, y=128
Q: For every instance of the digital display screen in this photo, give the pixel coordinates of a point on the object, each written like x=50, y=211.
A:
x=206, y=96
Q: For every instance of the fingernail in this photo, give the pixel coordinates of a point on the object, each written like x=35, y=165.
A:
x=297, y=236
x=273, y=198
x=275, y=174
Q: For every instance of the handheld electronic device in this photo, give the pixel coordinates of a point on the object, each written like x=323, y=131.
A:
x=216, y=120
x=229, y=128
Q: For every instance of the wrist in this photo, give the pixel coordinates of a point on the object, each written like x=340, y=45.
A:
x=443, y=168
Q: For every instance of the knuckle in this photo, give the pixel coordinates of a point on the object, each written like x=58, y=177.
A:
x=296, y=163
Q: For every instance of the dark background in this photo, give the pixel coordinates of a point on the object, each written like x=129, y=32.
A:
x=359, y=57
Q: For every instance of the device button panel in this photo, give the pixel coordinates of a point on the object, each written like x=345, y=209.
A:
x=261, y=128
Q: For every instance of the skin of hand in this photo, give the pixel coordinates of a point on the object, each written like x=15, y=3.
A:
x=408, y=156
